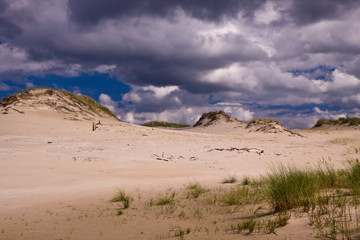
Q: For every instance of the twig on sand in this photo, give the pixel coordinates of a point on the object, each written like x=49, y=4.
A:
x=231, y=149
x=162, y=158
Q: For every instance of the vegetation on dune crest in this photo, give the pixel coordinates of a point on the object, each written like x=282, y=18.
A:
x=341, y=121
x=164, y=124
x=93, y=104
x=263, y=120
x=81, y=99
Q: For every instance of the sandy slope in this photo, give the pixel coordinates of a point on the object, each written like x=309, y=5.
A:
x=57, y=176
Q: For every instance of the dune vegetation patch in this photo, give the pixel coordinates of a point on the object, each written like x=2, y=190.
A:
x=263, y=121
x=164, y=124
x=338, y=122
x=327, y=197
x=344, y=141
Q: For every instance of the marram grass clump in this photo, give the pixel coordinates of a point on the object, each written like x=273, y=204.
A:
x=288, y=187
x=122, y=197
x=195, y=190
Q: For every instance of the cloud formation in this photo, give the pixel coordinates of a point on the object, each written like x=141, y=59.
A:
x=277, y=57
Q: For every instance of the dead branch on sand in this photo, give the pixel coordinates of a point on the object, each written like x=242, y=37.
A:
x=162, y=158
x=231, y=149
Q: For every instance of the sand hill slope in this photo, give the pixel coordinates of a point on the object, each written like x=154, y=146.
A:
x=73, y=107
x=268, y=125
x=216, y=118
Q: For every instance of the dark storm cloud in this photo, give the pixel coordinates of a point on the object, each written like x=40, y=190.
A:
x=8, y=30
x=92, y=11
x=235, y=51
x=305, y=12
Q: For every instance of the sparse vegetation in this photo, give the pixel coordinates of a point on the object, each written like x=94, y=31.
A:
x=230, y=179
x=122, y=197
x=164, y=124
x=241, y=195
x=245, y=181
x=195, y=190
x=344, y=141
x=262, y=120
x=166, y=199
x=91, y=103
x=341, y=121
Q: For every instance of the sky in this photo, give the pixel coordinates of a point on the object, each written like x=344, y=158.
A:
x=172, y=60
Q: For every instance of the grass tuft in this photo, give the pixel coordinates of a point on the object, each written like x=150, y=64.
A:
x=230, y=179
x=165, y=200
x=289, y=188
x=245, y=181
x=122, y=197
x=240, y=196
x=195, y=190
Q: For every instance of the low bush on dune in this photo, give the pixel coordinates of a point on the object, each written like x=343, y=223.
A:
x=263, y=120
x=341, y=121
x=164, y=124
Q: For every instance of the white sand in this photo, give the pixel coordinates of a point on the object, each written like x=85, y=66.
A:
x=48, y=163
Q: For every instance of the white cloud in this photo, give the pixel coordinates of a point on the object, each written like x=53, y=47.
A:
x=325, y=114
x=344, y=80
x=239, y=113
x=131, y=97
x=15, y=59
x=108, y=102
x=105, y=68
x=267, y=13
x=161, y=92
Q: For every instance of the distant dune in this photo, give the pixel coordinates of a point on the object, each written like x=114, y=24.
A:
x=215, y=118
x=74, y=107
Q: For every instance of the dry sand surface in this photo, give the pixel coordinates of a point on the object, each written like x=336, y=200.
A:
x=57, y=176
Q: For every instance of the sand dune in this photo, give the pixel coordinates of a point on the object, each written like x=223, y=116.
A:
x=57, y=176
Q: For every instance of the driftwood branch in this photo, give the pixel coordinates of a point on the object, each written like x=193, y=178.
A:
x=171, y=158
x=232, y=149
x=162, y=158
x=95, y=125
